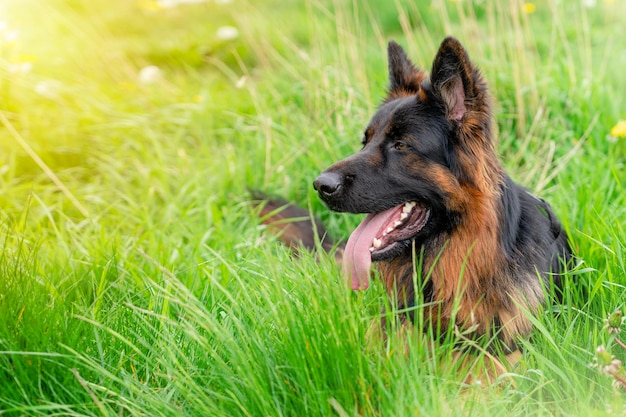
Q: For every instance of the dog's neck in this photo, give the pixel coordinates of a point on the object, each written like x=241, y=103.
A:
x=461, y=273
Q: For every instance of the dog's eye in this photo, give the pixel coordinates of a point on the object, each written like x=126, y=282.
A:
x=400, y=146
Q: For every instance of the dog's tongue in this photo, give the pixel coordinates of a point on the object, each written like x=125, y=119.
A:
x=357, y=259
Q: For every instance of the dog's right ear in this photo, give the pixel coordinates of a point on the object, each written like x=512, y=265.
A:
x=404, y=77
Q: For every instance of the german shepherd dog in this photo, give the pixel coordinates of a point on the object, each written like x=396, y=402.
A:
x=440, y=205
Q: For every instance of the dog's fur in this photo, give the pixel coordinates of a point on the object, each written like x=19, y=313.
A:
x=487, y=248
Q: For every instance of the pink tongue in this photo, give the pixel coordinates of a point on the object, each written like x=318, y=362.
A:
x=357, y=258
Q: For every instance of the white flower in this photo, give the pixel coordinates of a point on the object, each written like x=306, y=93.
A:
x=10, y=36
x=241, y=82
x=20, y=68
x=49, y=89
x=150, y=75
x=227, y=33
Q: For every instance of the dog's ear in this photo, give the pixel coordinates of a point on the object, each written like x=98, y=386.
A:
x=456, y=81
x=404, y=77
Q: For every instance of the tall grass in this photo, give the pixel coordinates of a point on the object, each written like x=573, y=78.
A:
x=156, y=292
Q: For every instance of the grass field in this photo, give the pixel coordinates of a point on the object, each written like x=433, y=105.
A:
x=135, y=278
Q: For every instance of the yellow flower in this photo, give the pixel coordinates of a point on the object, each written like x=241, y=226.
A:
x=149, y=5
x=529, y=8
x=22, y=58
x=619, y=130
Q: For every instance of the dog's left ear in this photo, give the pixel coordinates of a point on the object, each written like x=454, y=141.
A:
x=456, y=81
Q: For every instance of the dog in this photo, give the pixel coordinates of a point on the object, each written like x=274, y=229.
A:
x=439, y=205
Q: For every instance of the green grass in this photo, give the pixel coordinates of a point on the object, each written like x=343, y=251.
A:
x=135, y=278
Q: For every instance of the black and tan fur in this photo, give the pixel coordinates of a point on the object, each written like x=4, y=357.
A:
x=489, y=248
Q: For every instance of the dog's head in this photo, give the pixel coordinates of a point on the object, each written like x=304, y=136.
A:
x=427, y=155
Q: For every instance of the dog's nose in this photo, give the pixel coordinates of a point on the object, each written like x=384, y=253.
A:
x=328, y=183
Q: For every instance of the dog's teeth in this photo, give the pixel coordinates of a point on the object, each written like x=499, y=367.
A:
x=397, y=223
x=403, y=216
x=406, y=209
x=371, y=249
x=389, y=229
x=377, y=243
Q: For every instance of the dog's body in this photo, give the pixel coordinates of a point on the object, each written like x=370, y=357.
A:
x=440, y=204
